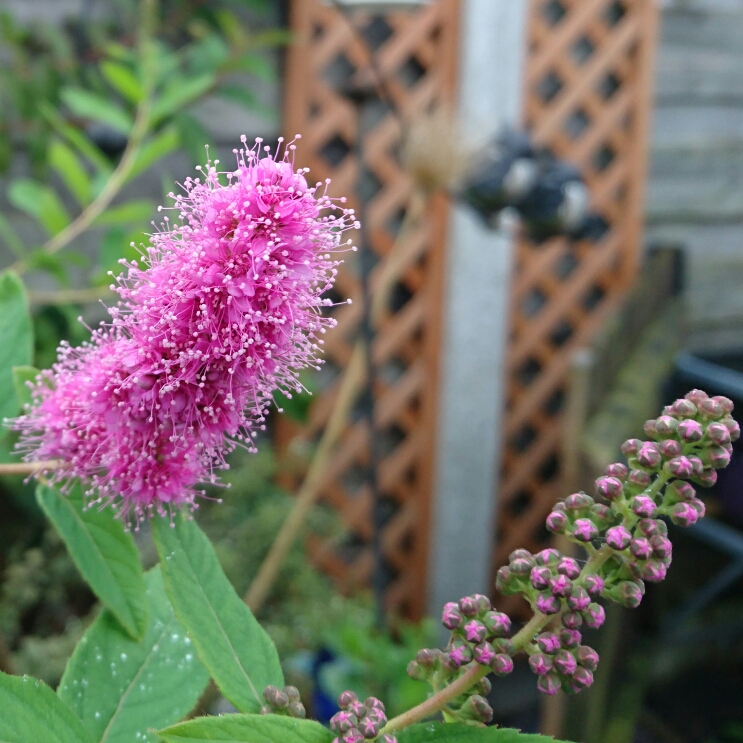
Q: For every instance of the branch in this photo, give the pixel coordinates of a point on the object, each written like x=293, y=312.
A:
x=69, y=296
x=29, y=468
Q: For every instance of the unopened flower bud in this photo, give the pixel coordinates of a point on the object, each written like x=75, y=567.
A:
x=266, y=709
x=696, y=396
x=569, y=638
x=502, y=664
x=475, y=631
x=540, y=664
x=447, y=663
x=684, y=409
x=547, y=603
x=617, y=470
x=568, y=567
x=718, y=433
x=296, y=710
x=610, y=488
x=640, y=548
x=469, y=606
x=653, y=571
x=477, y=708
x=343, y=721
x=451, y=617
x=582, y=678
x=698, y=506
x=638, y=479
x=483, y=602
x=483, y=686
x=427, y=657
x=679, y=491
x=594, y=584
x=353, y=736
x=707, y=478
x=416, y=671
x=504, y=646
x=572, y=620
x=670, y=448
x=521, y=566
x=556, y=522
x=631, y=447
x=584, y=530
x=549, y=556
x=374, y=703
x=650, y=428
x=292, y=693
x=732, y=426
x=565, y=663
x=460, y=652
x=275, y=697
x=601, y=515
x=697, y=464
x=578, y=502
x=665, y=425
x=369, y=727
x=629, y=594
x=549, y=684
x=710, y=410
x=497, y=623
x=587, y=657
x=346, y=698
x=644, y=506
x=618, y=538
x=690, y=431
x=725, y=403
x=661, y=546
x=684, y=514
x=483, y=653
x=718, y=457
x=506, y=582
x=649, y=456
x=561, y=586
x=548, y=642
x=594, y=616
x=540, y=577
x=651, y=527
x=579, y=599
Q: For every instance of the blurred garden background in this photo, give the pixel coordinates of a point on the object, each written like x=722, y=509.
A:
x=551, y=198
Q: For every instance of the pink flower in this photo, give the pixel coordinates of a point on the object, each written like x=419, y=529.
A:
x=225, y=309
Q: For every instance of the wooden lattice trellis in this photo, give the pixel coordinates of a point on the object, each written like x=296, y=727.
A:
x=587, y=98
x=414, y=53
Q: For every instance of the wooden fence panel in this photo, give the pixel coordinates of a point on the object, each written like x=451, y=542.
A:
x=415, y=53
x=588, y=83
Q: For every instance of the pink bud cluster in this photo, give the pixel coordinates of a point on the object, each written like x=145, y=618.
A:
x=284, y=701
x=627, y=540
x=224, y=308
x=358, y=721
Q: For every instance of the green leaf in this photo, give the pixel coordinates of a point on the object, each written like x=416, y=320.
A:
x=21, y=375
x=71, y=171
x=137, y=210
x=10, y=237
x=247, y=729
x=437, y=732
x=122, y=80
x=120, y=688
x=257, y=65
x=39, y=201
x=16, y=339
x=179, y=93
x=93, y=106
x=76, y=138
x=32, y=712
x=103, y=552
x=239, y=654
x=156, y=148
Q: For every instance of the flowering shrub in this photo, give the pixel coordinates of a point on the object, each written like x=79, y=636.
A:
x=224, y=309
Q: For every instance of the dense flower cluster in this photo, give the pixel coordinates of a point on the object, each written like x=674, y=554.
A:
x=626, y=540
x=359, y=721
x=224, y=308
